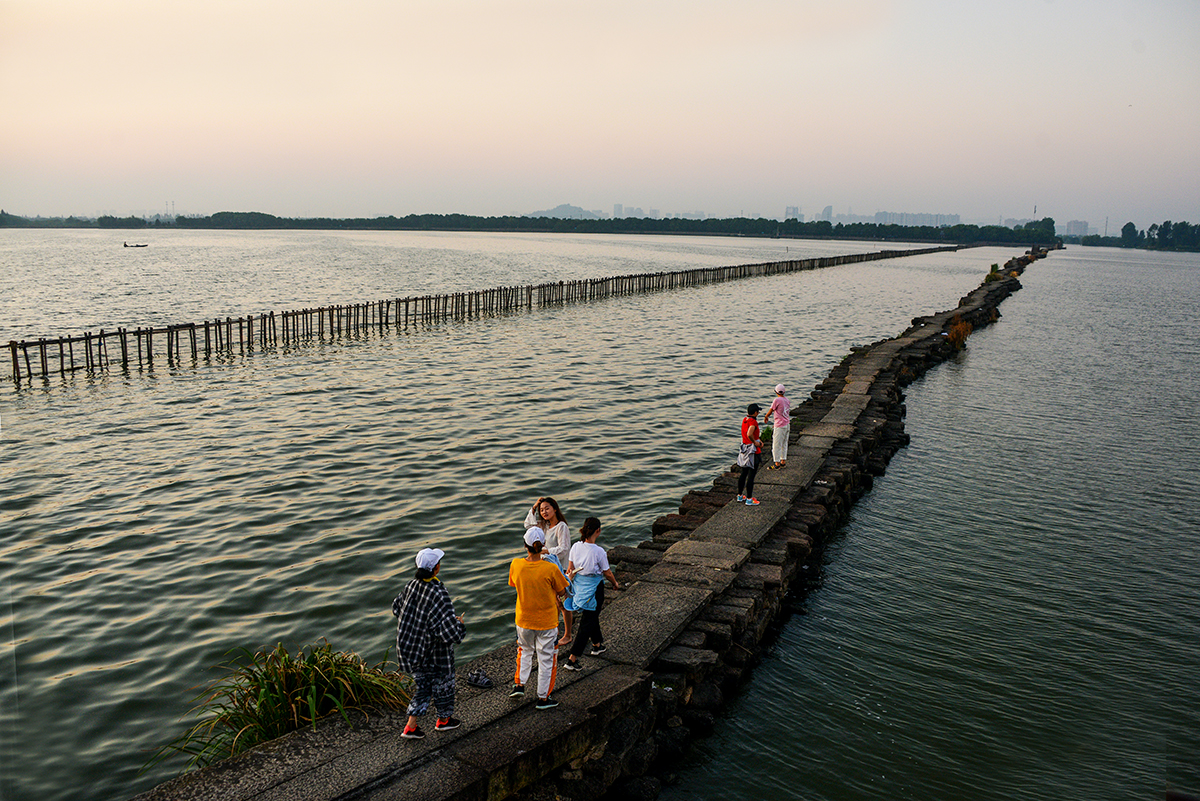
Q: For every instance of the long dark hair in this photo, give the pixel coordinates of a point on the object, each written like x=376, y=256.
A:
x=589, y=527
x=560, y=518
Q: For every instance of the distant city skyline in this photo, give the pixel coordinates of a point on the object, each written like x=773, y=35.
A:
x=1086, y=110
x=620, y=210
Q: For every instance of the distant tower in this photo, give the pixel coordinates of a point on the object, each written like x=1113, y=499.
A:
x=791, y=213
x=827, y=214
x=618, y=211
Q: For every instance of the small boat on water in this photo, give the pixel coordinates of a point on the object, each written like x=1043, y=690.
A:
x=136, y=245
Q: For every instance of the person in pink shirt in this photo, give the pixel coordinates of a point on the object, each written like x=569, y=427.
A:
x=781, y=409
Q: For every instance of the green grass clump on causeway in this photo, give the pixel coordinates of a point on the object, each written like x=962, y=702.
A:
x=268, y=693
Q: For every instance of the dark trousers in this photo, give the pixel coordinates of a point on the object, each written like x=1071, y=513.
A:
x=746, y=478
x=589, y=625
x=432, y=686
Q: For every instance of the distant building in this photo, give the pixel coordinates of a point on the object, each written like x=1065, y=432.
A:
x=1076, y=228
x=792, y=213
x=827, y=214
x=905, y=218
x=618, y=211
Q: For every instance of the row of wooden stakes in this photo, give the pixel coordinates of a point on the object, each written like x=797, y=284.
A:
x=43, y=357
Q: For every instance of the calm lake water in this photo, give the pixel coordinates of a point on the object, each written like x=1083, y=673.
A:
x=150, y=522
x=1012, y=612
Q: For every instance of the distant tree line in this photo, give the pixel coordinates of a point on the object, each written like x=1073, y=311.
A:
x=107, y=221
x=1040, y=232
x=13, y=221
x=1159, y=236
x=1164, y=236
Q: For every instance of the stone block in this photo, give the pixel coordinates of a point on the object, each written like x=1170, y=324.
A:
x=615, y=691
x=799, y=546
x=819, y=445
x=831, y=430
x=710, y=579
x=626, y=554
x=707, y=554
x=718, y=636
x=674, y=522
x=648, y=616
x=520, y=749
x=742, y=524
x=690, y=639
x=654, y=545
x=692, y=661
x=440, y=779
x=756, y=575
x=733, y=616
x=641, y=757
x=740, y=598
x=770, y=554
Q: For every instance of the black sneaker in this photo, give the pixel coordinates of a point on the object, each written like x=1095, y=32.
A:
x=546, y=703
x=598, y=649
x=477, y=678
x=569, y=665
x=413, y=734
x=517, y=691
x=447, y=724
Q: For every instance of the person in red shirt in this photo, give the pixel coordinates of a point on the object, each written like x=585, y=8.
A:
x=749, y=455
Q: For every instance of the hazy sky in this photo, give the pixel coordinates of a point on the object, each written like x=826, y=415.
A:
x=1084, y=108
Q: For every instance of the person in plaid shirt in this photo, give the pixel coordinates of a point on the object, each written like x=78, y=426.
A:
x=426, y=631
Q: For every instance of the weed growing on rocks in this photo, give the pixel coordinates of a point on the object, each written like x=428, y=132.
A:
x=269, y=693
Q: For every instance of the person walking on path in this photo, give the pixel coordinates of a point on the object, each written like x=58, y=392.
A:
x=546, y=515
x=539, y=585
x=588, y=567
x=427, y=630
x=781, y=411
x=749, y=455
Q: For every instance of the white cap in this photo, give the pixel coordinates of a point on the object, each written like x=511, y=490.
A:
x=779, y=388
x=428, y=558
x=533, y=535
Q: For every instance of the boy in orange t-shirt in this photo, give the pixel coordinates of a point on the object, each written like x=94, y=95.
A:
x=539, y=585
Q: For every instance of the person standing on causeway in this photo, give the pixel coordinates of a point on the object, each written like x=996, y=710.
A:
x=539, y=585
x=588, y=569
x=426, y=632
x=546, y=515
x=781, y=411
x=749, y=455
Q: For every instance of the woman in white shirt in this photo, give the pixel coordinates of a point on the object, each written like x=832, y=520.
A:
x=588, y=568
x=546, y=515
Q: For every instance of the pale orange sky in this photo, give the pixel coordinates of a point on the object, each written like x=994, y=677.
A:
x=366, y=108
